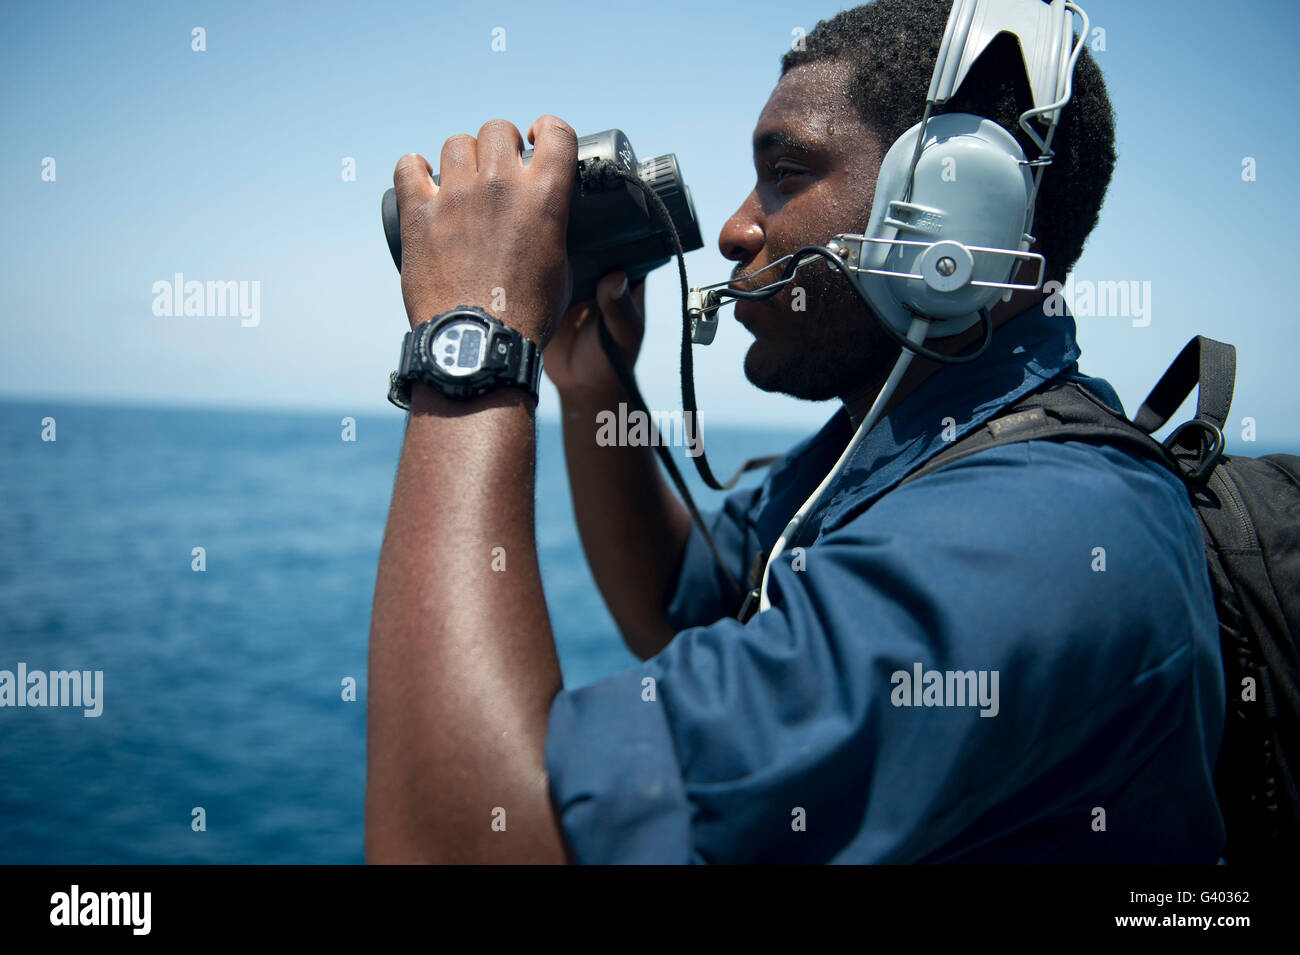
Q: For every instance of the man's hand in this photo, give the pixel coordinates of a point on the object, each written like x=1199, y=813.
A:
x=574, y=359
x=492, y=233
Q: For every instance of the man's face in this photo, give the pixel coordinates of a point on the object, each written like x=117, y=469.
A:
x=816, y=163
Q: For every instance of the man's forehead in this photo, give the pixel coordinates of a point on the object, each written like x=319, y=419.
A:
x=804, y=108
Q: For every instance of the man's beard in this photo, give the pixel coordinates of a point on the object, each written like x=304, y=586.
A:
x=823, y=352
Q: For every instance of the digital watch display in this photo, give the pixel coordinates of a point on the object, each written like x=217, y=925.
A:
x=465, y=353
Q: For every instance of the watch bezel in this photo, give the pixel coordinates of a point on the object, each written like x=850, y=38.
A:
x=501, y=344
x=432, y=363
x=508, y=359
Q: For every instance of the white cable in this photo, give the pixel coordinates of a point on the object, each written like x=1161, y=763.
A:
x=920, y=327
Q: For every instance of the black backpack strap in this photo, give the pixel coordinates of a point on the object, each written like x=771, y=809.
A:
x=1060, y=411
x=1205, y=362
x=1196, y=444
x=1065, y=411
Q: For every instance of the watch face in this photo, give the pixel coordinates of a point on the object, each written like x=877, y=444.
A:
x=458, y=348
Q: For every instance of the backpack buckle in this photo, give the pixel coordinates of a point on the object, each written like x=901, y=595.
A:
x=1207, y=459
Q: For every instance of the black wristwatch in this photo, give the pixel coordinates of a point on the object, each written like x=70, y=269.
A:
x=465, y=353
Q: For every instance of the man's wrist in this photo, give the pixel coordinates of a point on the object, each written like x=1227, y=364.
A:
x=509, y=317
x=425, y=399
x=587, y=402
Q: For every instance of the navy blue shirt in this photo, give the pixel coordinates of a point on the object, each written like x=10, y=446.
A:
x=1013, y=659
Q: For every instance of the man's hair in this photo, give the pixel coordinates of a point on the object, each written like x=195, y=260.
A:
x=891, y=47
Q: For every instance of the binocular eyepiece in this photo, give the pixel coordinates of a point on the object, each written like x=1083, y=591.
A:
x=612, y=226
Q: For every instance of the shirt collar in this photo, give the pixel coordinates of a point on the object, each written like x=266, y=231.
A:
x=1025, y=353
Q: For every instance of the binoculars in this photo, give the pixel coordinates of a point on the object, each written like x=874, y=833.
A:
x=612, y=225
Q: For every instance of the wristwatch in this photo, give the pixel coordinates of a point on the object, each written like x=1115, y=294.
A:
x=464, y=353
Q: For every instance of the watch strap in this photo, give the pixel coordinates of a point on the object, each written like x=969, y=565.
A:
x=528, y=375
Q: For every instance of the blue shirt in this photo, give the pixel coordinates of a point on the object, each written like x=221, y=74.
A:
x=1065, y=580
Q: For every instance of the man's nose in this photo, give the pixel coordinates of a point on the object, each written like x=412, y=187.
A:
x=741, y=237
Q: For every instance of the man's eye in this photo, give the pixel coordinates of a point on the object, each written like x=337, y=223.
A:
x=781, y=173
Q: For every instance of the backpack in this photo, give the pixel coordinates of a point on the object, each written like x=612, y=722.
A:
x=1249, y=509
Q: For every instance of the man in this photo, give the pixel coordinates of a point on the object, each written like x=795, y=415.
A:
x=1012, y=659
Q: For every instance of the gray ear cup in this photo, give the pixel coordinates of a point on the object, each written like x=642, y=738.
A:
x=962, y=225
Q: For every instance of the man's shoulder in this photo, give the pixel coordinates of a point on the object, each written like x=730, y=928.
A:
x=1052, y=491
x=1083, y=469
x=1099, y=532
x=1111, y=471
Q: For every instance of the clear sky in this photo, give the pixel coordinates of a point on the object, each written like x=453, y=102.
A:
x=226, y=165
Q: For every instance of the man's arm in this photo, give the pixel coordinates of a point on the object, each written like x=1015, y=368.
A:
x=462, y=662
x=633, y=527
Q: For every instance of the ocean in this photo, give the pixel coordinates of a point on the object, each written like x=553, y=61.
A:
x=223, y=689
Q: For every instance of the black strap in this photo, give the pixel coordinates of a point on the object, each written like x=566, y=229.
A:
x=1065, y=411
x=689, y=404
x=528, y=372
x=1205, y=362
x=634, y=397
x=1061, y=411
x=691, y=417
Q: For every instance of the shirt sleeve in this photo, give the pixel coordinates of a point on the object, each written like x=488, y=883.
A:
x=701, y=594
x=1076, y=587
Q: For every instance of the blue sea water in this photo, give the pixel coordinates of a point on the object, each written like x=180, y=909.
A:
x=222, y=689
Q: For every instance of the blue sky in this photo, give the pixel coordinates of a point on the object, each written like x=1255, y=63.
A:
x=225, y=165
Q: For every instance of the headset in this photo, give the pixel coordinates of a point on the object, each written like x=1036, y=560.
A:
x=951, y=224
